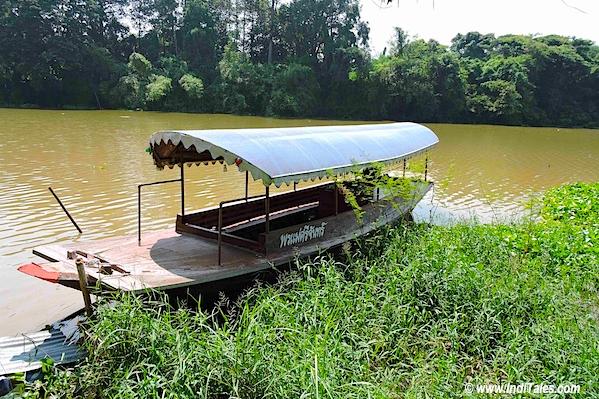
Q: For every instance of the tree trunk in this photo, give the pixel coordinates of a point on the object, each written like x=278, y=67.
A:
x=97, y=99
x=272, y=17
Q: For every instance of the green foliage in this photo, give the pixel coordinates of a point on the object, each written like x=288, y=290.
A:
x=244, y=86
x=300, y=58
x=204, y=34
x=294, y=92
x=317, y=32
x=574, y=203
x=414, y=311
x=132, y=90
x=59, y=381
x=139, y=66
x=497, y=99
x=158, y=88
x=193, y=86
x=360, y=186
x=422, y=82
x=473, y=45
x=134, y=85
x=173, y=67
x=518, y=79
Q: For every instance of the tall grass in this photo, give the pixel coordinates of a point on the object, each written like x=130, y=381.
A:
x=415, y=311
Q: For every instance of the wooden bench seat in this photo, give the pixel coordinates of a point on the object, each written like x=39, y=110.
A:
x=273, y=216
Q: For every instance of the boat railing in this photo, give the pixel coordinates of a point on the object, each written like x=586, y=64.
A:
x=267, y=210
x=139, y=187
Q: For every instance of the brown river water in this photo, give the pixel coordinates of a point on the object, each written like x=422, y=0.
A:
x=95, y=159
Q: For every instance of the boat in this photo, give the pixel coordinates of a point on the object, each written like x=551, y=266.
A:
x=243, y=236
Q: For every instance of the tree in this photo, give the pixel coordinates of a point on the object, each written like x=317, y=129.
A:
x=244, y=87
x=565, y=82
x=473, y=45
x=292, y=57
x=422, y=82
x=134, y=84
x=141, y=13
x=157, y=89
x=399, y=42
x=313, y=31
x=166, y=22
x=204, y=35
x=496, y=101
x=193, y=86
x=295, y=91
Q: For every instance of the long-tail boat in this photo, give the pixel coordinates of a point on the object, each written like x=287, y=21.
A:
x=253, y=233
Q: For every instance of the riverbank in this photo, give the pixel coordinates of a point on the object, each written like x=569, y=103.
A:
x=415, y=311
x=343, y=118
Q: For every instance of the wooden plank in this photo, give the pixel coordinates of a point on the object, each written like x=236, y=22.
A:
x=273, y=216
x=164, y=260
x=52, y=253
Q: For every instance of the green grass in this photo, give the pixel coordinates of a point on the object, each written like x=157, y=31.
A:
x=416, y=311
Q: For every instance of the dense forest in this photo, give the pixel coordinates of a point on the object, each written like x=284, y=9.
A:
x=286, y=58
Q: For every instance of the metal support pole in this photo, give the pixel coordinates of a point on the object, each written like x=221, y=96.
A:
x=139, y=215
x=294, y=186
x=182, y=189
x=247, y=180
x=425, y=168
x=83, y=286
x=139, y=203
x=404, y=168
x=220, y=232
x=65, y=210
x=336, y=200
x=267, y=209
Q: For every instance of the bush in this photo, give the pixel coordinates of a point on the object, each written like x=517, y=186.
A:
x=574, y=203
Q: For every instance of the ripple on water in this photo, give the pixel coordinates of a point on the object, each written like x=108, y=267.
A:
x=94, y=161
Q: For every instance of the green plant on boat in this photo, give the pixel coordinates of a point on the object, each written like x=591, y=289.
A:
x=416, y=165
x=414, y=311
x=359, y=187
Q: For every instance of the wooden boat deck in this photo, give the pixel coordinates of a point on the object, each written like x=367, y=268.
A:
x=165, y=259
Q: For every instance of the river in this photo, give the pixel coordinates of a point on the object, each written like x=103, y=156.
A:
x=95, y=159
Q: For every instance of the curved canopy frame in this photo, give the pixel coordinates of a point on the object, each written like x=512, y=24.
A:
x=291, y=155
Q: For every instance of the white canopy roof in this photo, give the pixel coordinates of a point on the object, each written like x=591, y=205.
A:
x=286, y=155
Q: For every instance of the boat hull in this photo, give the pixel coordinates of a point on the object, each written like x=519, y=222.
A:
x=167, y=259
